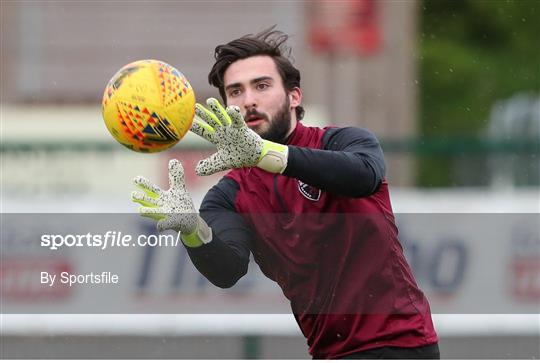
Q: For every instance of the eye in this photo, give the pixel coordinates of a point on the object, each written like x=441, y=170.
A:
x=262, y=86
x=234, y=93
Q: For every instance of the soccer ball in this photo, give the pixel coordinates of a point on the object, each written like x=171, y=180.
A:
x=148, y=106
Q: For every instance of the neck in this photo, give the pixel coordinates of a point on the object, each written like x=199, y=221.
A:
x=294, y=122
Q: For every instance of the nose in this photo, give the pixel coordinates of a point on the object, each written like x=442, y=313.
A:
x=250, y=100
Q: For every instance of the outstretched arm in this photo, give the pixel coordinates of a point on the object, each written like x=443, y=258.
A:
x=351, y=162
x=219, y=249
x=224, y=260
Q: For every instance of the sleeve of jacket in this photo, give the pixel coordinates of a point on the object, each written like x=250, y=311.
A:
x=350, y=163
x=224, y=260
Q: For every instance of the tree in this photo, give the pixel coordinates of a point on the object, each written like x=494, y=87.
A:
x=473, y=54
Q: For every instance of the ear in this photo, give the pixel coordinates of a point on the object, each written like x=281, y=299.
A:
x=295, y=97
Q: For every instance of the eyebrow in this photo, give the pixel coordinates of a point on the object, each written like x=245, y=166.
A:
x=253, y=81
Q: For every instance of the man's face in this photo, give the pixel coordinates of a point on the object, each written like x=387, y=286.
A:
x=254, y=85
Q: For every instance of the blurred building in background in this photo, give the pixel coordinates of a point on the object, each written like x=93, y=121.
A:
x=64, y=53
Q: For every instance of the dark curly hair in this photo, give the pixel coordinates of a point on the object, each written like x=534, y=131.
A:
x=268, y=42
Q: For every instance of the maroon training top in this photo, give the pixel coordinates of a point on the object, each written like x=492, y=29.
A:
x=325, y=232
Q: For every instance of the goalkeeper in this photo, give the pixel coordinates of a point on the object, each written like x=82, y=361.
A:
x=311, y=205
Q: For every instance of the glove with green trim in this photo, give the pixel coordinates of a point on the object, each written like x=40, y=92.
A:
x=173, y=208
x=237, y=145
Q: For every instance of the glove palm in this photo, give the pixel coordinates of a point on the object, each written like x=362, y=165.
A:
x=172, y=208
x=237, y=145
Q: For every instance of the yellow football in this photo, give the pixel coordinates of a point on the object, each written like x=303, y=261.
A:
x=148, y=106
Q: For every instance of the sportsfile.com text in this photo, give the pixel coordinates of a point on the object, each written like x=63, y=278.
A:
x=108, y=239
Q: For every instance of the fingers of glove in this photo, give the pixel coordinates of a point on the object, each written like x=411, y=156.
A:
x=207, y=116
x=147, y=186
x=202, y=129
x=236, y=116
x=144, y=200
x=211, y=165
x=176, y=176
x=154, y=213
x=219, y=111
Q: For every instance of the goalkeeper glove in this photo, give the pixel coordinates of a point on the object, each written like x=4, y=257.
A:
x=173, y=208
x=237, y=145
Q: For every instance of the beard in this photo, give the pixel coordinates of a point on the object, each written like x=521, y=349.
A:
x=278, y=126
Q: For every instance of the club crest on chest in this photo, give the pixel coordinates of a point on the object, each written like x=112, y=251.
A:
x=308, y=191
